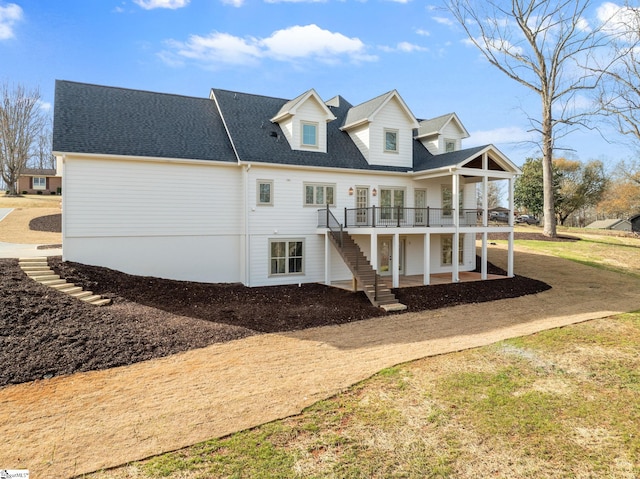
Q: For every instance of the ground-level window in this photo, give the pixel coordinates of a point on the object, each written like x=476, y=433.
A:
x=265, y=192
x=316, y=194
x=286, y=257
x=447, y=249
x=39, y=183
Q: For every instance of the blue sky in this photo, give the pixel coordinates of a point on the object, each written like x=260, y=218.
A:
x=280, y=48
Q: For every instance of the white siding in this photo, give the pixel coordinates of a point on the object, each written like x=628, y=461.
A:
x=394, y=117
x=172, y=220
x=309, y=111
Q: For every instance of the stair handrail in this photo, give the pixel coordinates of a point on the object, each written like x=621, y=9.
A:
x=334, y=226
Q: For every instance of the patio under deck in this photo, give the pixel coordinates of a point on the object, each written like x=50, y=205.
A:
x=409, y=281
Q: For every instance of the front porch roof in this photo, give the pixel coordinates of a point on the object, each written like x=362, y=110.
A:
x=469, y=159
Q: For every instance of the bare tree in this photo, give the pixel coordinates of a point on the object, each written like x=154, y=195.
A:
x=42, y=157
x=21, y=122
x=619, y=93
x=546, y=46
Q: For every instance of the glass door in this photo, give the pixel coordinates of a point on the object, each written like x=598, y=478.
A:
x=421, y=205
x=385, y=256
x=362, y=203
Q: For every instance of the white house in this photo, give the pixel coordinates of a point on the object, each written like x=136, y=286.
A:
x=266, y=191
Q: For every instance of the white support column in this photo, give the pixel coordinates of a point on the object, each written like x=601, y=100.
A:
x=374, y=251
x=511, y=235
x=483, y=257
x=455, y=254
x=395, y=263
x=427, y=259
x=327, y=259
x=485, y=219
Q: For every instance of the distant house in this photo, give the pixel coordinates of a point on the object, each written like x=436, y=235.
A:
x=236, y=187
x=39, y=181
x=615, y=224
x=635, y=223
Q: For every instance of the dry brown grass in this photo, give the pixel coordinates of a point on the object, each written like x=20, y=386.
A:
x=30, y=201
x=14, y=228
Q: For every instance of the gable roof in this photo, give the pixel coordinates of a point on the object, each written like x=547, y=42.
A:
x=435, y=126
x=94, y=119
x=608, y=224
x=460, y=158
x=289, y=108
x=366, y=112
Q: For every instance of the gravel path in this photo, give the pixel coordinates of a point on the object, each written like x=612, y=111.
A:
x=73, y=424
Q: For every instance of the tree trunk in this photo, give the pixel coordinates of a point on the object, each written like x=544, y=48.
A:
x=547, y=169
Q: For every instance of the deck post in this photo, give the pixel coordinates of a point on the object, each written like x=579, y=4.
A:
x=427, y=259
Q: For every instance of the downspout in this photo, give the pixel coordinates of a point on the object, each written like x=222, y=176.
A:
x=247, y=236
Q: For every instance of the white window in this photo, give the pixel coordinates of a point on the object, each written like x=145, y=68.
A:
x=391, y=141
x=265, y=192
x=309, y=134
x=286, y=257
x=447, y=200
x=316, y=194
x=391, y=204
x=39, y=183
x=449, y=146
x=447, y=250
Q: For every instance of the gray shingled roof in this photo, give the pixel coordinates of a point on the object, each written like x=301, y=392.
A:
x=117, y=121
x=364, y=111
x=446, y=159
x=106, y=120
x=38, y=172
x=257, y=139
x=434, y=125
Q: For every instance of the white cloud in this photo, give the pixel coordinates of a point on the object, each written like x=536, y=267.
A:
x=288, y=45
x=405, y=47
x=215, y=47
x=443, y=20
x=618, y=19
x=508, y=134
x=424, y=33
x=233, y=3
x=9, y=15
x=311, y=41
x=171, y=4
x=400, y=1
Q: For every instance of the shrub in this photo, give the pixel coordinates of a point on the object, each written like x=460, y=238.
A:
x=59, y=190
x=25, y=192
x=53, y=192
x=39, y=192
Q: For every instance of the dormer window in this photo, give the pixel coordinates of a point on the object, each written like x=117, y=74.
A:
x=449, y=146
x=391, y=141
x=309, y=134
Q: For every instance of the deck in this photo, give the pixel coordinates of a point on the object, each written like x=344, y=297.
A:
x=409, y=281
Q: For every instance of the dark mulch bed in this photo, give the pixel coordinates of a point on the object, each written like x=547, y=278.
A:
x=44, y=333
x=50, y=223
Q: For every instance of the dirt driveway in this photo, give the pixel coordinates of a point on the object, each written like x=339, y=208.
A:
x=75, y=424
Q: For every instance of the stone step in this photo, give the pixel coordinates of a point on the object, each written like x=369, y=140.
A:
x=32, y=260
x=61, y=286
x=393, y=307
x=33, y=266
x=39, y=272
x=101, y=302
x=46, y=277
x=90, y=299
x=53, y=282
x=70, y=289
x=81, y=294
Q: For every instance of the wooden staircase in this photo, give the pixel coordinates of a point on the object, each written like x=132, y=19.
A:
x=374, y=287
